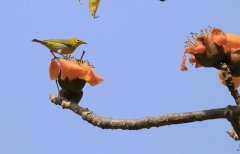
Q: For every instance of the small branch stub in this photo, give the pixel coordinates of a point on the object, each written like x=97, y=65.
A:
x=233, y=134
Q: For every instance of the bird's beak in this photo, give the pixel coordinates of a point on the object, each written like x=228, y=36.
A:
x=84, y=43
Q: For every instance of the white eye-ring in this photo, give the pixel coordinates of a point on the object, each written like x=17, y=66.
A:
x=77, y=40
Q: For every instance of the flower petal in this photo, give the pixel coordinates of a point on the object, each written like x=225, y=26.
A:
x=92, y=78
x=69, y=69
x=53, y=70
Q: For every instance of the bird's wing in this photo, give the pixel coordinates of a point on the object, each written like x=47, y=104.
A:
x=63, y=42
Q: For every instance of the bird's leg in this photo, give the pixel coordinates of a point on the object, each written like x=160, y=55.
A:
x=53, y=54
x=62, y=55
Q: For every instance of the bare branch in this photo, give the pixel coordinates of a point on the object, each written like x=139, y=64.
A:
x=230, y=112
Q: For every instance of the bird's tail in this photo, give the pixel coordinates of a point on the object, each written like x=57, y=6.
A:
x=36, y=40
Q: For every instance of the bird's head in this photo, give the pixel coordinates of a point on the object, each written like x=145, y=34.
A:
x=76, y=42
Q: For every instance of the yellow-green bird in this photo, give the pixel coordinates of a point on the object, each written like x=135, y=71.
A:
x=61, y=46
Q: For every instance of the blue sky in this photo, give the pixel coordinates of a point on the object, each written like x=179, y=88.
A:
x=137, y=47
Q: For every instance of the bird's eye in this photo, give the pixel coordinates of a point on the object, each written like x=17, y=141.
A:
x=77, y=40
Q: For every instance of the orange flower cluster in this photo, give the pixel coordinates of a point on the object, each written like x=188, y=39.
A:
x=211, y=47
x=73, y=69
x=204, y=48
x=72, y=75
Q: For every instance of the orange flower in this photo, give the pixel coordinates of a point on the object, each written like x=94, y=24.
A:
x=205, y=48
x=209, y=48
x=73, y=69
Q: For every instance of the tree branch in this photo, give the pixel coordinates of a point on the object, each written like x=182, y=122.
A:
x=235, y=133
x=229, y=112
x=229, y=82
